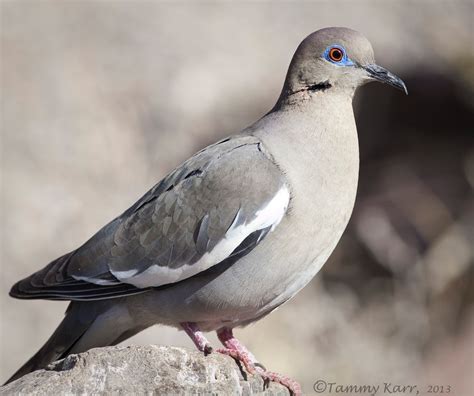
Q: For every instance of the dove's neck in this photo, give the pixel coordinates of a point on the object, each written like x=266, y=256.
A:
x=314, y=142
x=315, y=128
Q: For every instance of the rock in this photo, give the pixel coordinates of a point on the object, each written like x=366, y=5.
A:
x=138, y=370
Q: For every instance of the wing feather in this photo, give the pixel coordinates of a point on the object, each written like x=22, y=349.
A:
x=219, y=204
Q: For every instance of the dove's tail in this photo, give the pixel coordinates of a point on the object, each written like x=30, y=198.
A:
x=86, y=325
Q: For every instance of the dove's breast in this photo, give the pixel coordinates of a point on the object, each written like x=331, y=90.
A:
x=321, y=162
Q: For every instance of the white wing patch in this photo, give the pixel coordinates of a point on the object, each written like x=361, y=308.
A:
x=154, y=276
x=96, y=281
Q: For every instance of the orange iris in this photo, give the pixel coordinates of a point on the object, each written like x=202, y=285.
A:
x=336, y=54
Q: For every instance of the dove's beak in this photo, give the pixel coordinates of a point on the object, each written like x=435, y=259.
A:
x=381, y=74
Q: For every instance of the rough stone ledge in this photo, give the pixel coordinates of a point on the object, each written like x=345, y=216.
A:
x=142, y=370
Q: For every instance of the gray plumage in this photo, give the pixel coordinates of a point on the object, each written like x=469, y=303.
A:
x=173, y=225
x=235, y=231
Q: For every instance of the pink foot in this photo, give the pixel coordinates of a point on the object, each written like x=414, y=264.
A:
x=293, y=386
x=241, y=357
x=236, y=350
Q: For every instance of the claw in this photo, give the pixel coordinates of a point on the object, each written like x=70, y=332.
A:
x=207, y=349
x=260, y=366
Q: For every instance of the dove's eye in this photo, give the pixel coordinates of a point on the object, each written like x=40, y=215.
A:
x=336, y=54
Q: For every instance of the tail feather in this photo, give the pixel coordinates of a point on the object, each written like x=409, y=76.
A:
x=68, y=333
x=87, y=324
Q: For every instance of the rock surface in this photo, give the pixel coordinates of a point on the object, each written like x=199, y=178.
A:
x=139, y=370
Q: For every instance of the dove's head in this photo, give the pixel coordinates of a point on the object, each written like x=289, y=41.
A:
x=335, y=59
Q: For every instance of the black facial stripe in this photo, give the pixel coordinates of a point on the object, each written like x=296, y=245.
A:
x=323, y=86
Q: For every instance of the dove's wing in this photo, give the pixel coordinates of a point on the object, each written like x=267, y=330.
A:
x=218, y=204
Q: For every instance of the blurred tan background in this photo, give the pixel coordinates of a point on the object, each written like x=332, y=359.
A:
x=100, y=99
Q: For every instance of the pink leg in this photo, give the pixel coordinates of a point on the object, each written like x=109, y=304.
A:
x=198, y=338
x=235, y=349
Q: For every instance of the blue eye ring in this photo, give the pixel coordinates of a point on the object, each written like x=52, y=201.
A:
x=337, y=54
